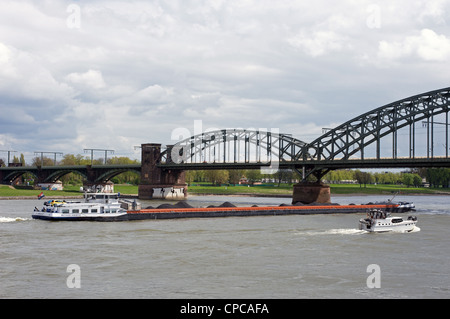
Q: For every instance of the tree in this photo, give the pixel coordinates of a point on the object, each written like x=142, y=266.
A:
x=285, y=175
x=363, y=178
x=235, y=175
x=70, y=159
x=217, y=177
x=253, y=175
x=417, y=180
x=438, y=177
x=195, y=176
x=189, y=177
x=120, y=160
x=407, y=179
x=340, y=175
x=38, y=161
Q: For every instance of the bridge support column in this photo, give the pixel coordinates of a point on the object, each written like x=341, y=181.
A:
x=308, y=193
x=157, y=183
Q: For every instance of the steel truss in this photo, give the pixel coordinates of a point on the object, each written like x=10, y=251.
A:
x=346, y=146
x=234, y=146
x=349, y=140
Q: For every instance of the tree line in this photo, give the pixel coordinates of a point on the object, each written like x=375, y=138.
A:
x=436, y=177
x=234, y=176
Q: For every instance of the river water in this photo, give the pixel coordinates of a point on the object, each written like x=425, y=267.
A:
x=313, y=256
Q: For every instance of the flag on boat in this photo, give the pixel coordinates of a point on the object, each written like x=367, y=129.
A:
x=41, y=195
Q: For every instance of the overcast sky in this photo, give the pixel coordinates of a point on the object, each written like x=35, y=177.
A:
x=115, y=74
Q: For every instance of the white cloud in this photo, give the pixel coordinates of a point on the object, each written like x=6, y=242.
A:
x=91, y=79
x=319, y=43
x=434, y=11
x=25, y=76
x=5, y=54
x=433, y=47
x=428, y=46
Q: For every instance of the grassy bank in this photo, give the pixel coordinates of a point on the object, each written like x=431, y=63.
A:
x=259, y=190
x=239, y=190
x=69, y=191
x=336, y=189
x=384, y=189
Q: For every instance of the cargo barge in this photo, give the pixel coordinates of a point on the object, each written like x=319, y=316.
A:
x=108, y=207
x=214, y=212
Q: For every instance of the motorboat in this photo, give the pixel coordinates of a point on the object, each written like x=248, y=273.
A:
x=405, y=206
x=96, y=206
x=379, y=221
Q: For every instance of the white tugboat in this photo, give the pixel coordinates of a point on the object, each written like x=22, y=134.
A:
x=96, y=206
x=379, y=221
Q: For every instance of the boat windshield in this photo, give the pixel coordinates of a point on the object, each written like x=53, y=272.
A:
x=377, y=214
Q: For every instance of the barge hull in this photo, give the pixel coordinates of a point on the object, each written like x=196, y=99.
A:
x=145, y=214
x=83, y=218
x=220, y=212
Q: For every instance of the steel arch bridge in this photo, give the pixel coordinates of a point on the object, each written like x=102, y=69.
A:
x=412, y=132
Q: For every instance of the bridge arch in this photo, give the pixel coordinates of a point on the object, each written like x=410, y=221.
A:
x=13, y=175
x=234, y=146
x=350, y=139
x=108, y=175
x=56, y=175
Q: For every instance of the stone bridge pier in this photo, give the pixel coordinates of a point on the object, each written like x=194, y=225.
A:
x=308, y=193
x=158, y=183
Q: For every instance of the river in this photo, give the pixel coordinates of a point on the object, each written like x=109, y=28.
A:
x=314, y=256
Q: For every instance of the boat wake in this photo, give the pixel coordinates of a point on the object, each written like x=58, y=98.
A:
x=350, y=231
x=345, y=231
x=415, y=229
x=338, y=231
x=12, y=219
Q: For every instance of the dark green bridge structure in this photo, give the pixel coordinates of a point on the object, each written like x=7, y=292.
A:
x=410, y=133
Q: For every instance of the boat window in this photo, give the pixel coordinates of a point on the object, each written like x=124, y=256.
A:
x=397, y=220
x=114, y=210
x=107, y=211
x=93, y=210
x=85, y=211
x=75, y=211
x=65, y=211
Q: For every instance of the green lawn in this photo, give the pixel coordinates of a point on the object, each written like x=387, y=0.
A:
x=381, y=189
x=6, y=191
x=335, y=189
x=233, y=190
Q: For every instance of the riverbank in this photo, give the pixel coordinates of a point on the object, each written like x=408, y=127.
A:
x=336, y=189
x=283, y=191
x=69, y=192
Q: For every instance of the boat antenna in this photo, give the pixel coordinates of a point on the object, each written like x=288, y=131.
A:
x=390, y=200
